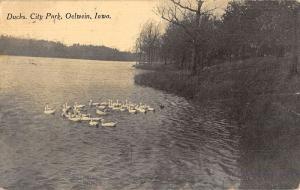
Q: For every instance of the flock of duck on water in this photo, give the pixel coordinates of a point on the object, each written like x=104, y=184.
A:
x=75, y=112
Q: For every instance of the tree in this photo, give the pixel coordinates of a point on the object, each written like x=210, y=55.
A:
x=189, y=16
x=175, y=47
x=148, y=42
x=259, y=28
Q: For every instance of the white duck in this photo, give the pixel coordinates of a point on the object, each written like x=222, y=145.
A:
x=116, y=108
x=118, y=103
x=101, y=107
x=48, y=110
x=85, y=117
x=91, y=103
x=66, y=107
x=149, y=108
x=78, y=106
x=99, y=112
x=93, y=123
x=122, y=109
x=110, y=104
x=140, y=109
x=131, y=110
x=96, y=118
x=108, y=124
x=74, y=118
x=104, y=103
x=113, y=105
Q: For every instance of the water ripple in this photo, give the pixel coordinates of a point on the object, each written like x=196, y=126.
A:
x=182, y=146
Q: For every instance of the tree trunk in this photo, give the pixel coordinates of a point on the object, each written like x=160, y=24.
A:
x=140, y=57
x=294, y=65
x=148, y=56
x=195, y=41
x=194, y=59
x=182, y=61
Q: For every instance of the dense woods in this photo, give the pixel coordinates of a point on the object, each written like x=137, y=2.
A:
x=196, y=38
x=42, y=48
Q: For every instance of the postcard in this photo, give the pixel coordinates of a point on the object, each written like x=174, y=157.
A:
x=149, y=94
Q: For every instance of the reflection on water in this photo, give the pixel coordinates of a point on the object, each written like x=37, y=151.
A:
x=182, y=146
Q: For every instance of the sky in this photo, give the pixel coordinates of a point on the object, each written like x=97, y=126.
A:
x=120, y=30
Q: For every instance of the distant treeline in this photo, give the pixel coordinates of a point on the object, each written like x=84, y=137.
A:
x=43, y=48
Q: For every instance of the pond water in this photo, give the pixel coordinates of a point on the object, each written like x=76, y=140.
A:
x=183, y=146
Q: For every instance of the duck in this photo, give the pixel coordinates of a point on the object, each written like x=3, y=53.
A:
x=48, y=110
x=161, y=106
x=91, y=103
x=66, y=107
x=119, y=103
x=101, y=107
x=96, y=118
x=142, y=110
x=126, y=104
x=110, y=104
x=104, y=103
x=108, y=124
x=122, y=109
x=93, y=123
x=150, y=108
x=99, y=112
x=85, y=117
x=131, y=110
x=76, y=111
x=116, y=108
x=74, y=118
x=65, y=112
x=116, y=104
x=78, y=106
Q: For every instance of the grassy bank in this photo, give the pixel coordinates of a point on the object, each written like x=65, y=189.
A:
x=243, y=87
x=260, y=95
x=241, y=79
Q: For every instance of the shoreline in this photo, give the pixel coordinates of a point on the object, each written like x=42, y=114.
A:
x=240, y=85
x=273, y=72
x=263, y=102
x=65, y=58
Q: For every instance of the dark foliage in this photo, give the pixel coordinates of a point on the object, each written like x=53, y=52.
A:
x=246, y=29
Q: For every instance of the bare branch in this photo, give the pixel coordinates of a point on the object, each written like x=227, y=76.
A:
x=208, y=12
x=172, y=18
x=177, y=3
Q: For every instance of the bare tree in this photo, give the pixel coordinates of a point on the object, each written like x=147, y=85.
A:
x=148, y=42
x=178, y=12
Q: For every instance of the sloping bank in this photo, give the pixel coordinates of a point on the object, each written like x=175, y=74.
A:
x=262, y=97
